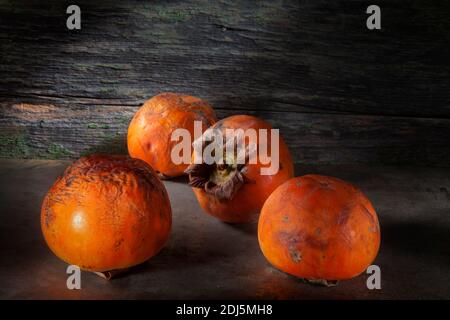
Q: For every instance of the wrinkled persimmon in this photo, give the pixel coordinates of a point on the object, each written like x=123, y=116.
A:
x=106, y=213
x=319, y=228
x=150, y=130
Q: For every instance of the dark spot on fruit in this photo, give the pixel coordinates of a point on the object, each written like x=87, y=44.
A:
x=315, y=243
x=49, y=216
x=296, y=255
x=70, y=180
x=291, y=241
x=288, y=239
x=285, y=218
x=325, y=185
x=118, y=243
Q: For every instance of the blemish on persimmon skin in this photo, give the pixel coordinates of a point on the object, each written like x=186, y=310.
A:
x=296, y=255
x=285, y=218
x=70, y=180
x=117, y=243
x=315, y=243
x=291, y=240
x=288, y=238
x=326, y=185
x=344, y=216
x=49, y=216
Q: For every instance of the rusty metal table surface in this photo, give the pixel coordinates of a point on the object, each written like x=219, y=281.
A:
x=208, y=259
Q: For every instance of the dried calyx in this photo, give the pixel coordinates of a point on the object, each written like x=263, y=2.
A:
x=222, y=180
x=108, y=275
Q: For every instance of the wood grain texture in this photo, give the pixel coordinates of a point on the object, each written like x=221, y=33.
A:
x=338, y=92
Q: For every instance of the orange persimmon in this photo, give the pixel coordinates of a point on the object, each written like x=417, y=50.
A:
x=319, y=228
x=235, y=192
x=150, y=130
x=106, y=213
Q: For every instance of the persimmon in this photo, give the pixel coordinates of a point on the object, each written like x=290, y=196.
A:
x=106, y=213
x=319, y=228
x=235, y=192
x=150, y=130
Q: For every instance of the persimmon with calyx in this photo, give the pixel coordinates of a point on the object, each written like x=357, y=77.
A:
x=150, y=130
x=106, y=214
x=234, y=191
x=319, y=228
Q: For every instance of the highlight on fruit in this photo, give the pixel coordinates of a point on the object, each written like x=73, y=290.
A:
x=106, y=214
x=318, y=228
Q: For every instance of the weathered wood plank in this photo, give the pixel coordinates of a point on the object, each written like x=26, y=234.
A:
x=50, y=131
x=338, y=92
x=314, y=56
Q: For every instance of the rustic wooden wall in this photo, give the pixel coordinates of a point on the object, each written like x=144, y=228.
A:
x=339, y=92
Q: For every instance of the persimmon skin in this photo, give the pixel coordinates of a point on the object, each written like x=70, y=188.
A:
x=247, y=203
x=106, y=213
x=150, y=130
x=319, y=228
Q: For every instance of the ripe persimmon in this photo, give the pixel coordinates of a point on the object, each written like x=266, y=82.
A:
x=106, y=213
x=235, y=192
x=150, y=130
x=319, y=228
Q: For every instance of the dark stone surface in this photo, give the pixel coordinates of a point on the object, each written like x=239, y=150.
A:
x=205, y=258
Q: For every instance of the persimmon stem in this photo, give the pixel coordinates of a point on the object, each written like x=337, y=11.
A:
x=322, y=282
x=108, y=275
